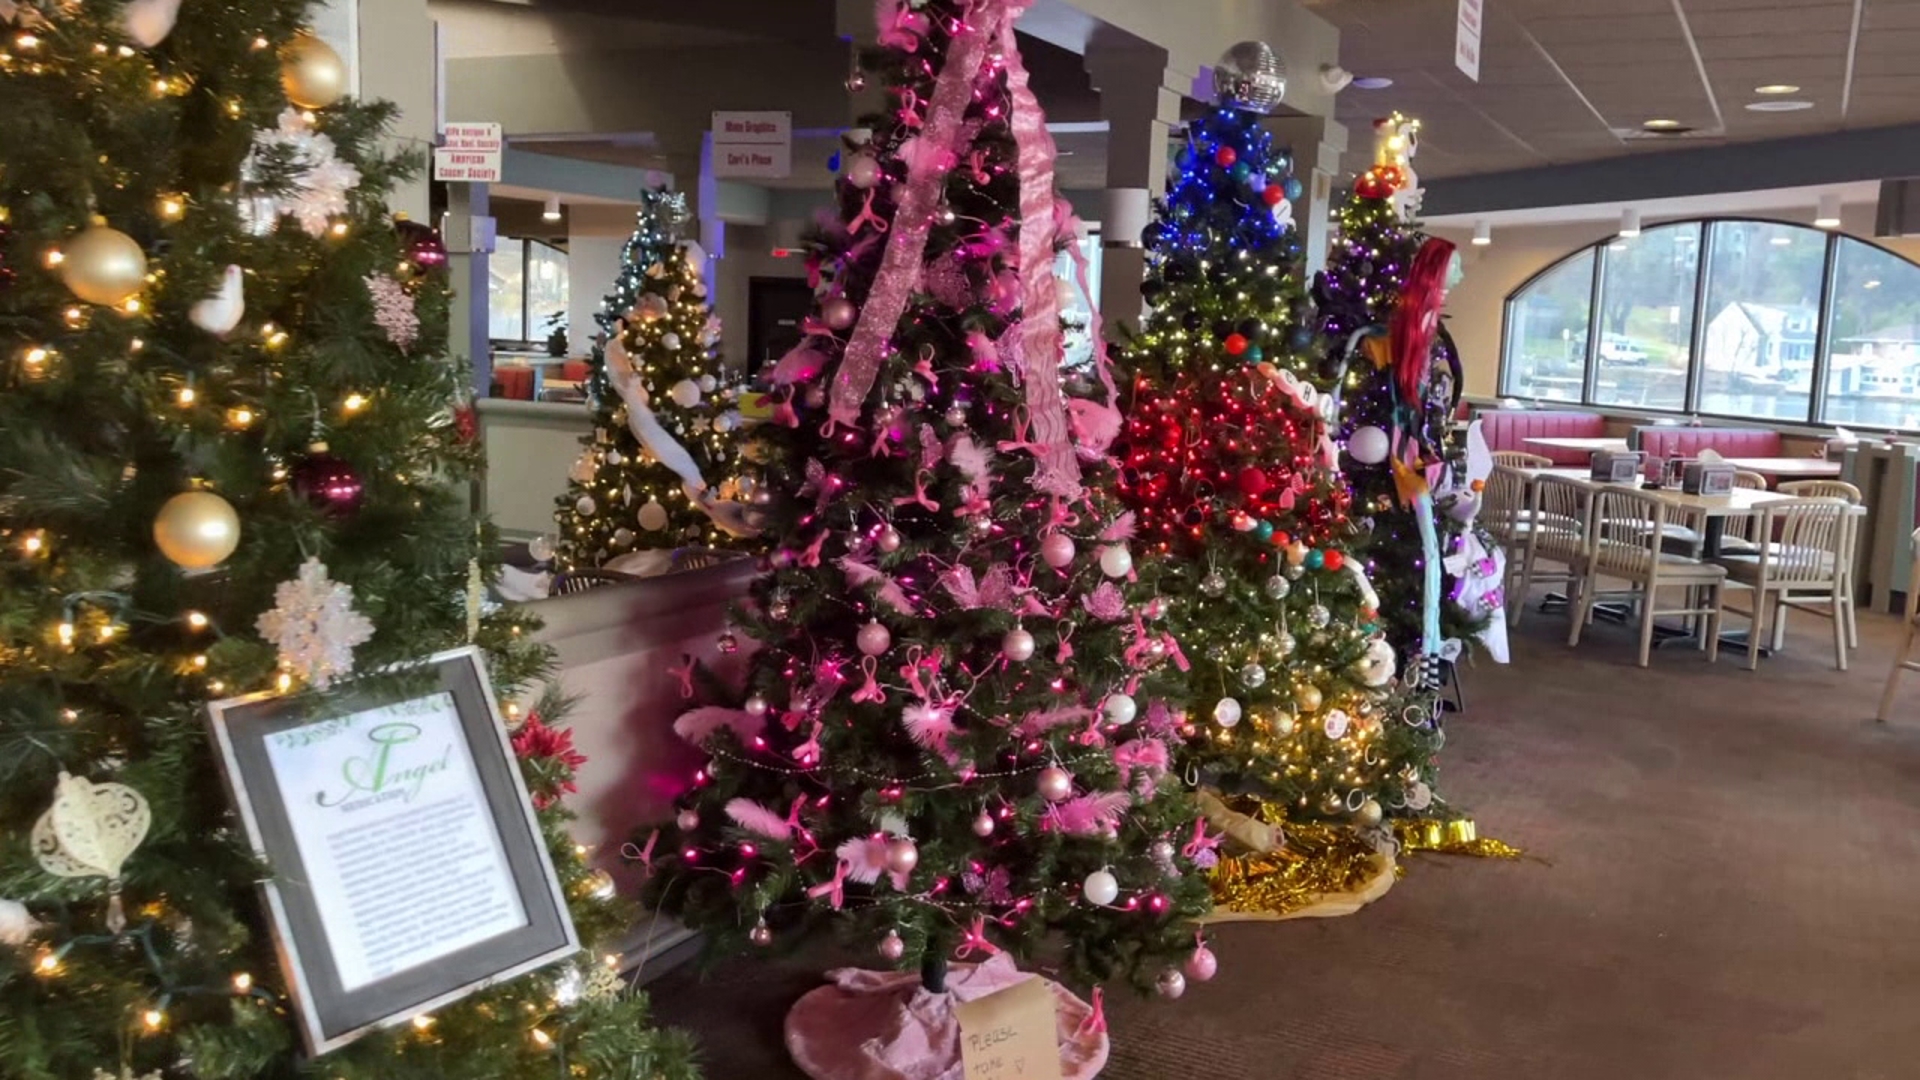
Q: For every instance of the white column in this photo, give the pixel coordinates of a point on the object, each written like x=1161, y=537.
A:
x=1141, y=106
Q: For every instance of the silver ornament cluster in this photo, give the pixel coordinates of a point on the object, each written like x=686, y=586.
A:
x=1250, y=76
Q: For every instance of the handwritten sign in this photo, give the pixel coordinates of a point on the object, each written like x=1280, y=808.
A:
x=386, y=804
x=753, y=145
x=469, y=152
x=1011, y=1034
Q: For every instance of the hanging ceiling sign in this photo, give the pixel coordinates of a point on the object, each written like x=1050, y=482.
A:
x=752, y=145
x=1466, y=38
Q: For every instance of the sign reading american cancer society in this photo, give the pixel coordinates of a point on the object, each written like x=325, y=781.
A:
x=469, y=153
x=752, y=145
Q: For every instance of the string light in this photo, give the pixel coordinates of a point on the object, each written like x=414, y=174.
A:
x=197, y=620
x=422, y=1022
x=354, y=402
x=239, y=416
x=243, y=982
x=172, y=207
x=153, y=1019
x=542, y=1039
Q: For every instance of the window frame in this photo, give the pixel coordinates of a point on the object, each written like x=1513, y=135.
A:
x=1709, y=234
x=526, y=286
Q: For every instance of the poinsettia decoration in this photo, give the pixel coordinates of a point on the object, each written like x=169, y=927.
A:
x=549, y=760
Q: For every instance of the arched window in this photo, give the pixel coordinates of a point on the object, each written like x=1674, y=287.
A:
x=1745, y=319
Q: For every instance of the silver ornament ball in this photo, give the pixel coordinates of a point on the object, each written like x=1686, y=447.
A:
x=1254, y=676
x=1213, y=585
x=1278, y=587
x=1170, y=984
x=760, y=935
x=1017, y=646
x=891, y=947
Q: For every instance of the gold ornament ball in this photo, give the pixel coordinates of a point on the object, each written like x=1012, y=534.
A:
x=1308, y=697
x=103, y=265
x=197, y=529
x=311, y=73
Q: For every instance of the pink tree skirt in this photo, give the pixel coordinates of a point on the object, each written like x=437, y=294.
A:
x=881, y=1025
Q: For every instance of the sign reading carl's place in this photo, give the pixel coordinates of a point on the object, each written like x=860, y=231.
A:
x=408, y=867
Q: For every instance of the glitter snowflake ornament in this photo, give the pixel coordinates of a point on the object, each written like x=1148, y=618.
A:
x=310, y=183
x=393, y=311
x=314, y=626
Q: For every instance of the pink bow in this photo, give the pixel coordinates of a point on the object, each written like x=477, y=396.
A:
x=642, y=855
x=835, y=888
x=1065, y=652
x=975, y=940
x=1096, y=1022
x=808, y=753
x=870, y=691
x=867, y=218
x=1200, y=850
x=683, y=672
x=919, y=495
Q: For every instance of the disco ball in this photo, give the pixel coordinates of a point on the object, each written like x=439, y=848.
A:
x=1250, y=76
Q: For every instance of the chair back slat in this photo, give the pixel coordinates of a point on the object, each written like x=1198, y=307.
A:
x=1809, y=541
x=1752, y=481
x=1629, y=527
x=1562, y=514
x=1505, y=500
x=1520, y=459
x=1822, y=489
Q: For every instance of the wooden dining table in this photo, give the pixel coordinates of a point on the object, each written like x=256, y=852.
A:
x=1788, y=468
x=1582, y=444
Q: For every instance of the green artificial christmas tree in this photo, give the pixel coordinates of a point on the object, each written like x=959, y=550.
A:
x=230, y=463
x=1227, y=458
x=948, y=737
x=659, y=469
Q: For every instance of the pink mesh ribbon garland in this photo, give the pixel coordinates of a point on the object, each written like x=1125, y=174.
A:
x=904, y=262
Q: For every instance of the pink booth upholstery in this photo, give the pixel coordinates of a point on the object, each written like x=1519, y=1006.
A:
x=1669, y=442
x=1509, y=429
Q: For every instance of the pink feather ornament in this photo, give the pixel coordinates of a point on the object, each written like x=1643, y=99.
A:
x=696, y=726
x=1088, y=815
x=1120, y=528
x=1106, y=602
x=753, y=817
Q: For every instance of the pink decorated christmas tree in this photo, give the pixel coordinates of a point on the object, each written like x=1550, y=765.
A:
x=948, y=737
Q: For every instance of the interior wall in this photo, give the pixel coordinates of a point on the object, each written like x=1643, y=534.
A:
x=749, y=255
x=1477, y=305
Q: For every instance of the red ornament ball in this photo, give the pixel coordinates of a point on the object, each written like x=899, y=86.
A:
x=1334, y=560
x=1274, y=195
x=1252, y=481
x=1225, y=156
x=327, y=482
x=1236, y=344
x=1370, y=185
x=1282, y=538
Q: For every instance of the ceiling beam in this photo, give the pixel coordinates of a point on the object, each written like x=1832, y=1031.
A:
x=1836, y=158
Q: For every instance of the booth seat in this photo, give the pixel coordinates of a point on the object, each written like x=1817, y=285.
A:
x=513, y=382
x=1687, y=442
x=575, y=370
x=1509, y=429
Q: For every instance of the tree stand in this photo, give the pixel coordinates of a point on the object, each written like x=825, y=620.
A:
x=886, y=1025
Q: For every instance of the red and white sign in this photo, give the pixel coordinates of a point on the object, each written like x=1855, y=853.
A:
x=469, y=153
x=1466, y=38
x=752, y=145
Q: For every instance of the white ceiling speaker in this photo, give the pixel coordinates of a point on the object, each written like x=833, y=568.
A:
x=1629, y=222
x=551, y=211
x=1828, y=215
x=1482, y=233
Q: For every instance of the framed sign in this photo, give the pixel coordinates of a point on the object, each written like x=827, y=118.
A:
x=408, y=869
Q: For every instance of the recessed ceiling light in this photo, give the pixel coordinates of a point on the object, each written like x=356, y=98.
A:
x=1777, y=88
x=1781, y=241
x=1662, y=125
x=1617, y=245
x=1778, y=106
x=1874, y=284
x=1372, y=82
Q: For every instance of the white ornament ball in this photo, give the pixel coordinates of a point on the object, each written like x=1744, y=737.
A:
x=1116, y=561
x=891, y=947
x=670, y=341
x=902, y=855
x=1378, y=665
x=1419, y=795
x=1058, y=550
x=1368, y=445
x=622, y=537
x=687, y=820
x=1120, y=709
x=1055, y=784
x=685, y=393
x=983, y=825
x=17, y=924
x=653, y=516
x=585, y=504
x=863, y=172
x=760, y=935
x=1226, y=712
x=1017, y=646
x=541, y=548
x=874, y=638
x=707, y=383
x=755, y=706
x=1171, y=984
x=1101, y=888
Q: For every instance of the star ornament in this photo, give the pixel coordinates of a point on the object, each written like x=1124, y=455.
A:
x=314, y=626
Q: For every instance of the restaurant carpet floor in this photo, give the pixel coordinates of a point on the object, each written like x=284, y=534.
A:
x=1723, y=882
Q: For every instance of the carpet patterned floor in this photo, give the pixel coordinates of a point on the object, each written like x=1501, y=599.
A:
x=1725, y=883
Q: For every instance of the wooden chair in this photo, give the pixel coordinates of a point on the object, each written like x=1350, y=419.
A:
x=1751, y=480
x=1628, y=527
x=1836, y=489
x=1558, y=518
x=1520, y=459
x=1801, y=565
x=1905, y=660
x=579, y=581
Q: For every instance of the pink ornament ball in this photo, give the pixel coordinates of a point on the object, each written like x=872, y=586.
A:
x=1201, y=965
x=688, y=820
x=1017, y=646
x=1058, y=550
x=863, y=172
x=839, y=313
x=891, y=947
x=983, y=825
x=874, y=638
x=902, y=855
x=1055, y=784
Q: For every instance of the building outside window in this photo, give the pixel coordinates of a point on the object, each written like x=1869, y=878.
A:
x=526, y=284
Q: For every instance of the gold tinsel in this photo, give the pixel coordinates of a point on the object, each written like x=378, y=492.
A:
x=1318, y=861
x=1456, y=837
